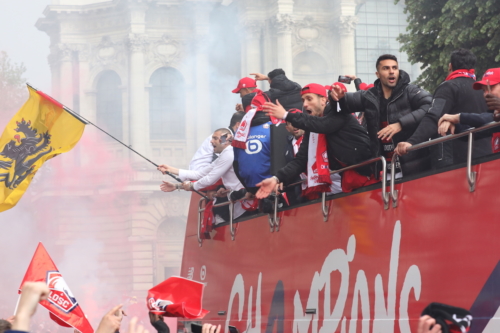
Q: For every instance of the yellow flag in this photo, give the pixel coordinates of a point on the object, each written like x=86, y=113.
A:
x=40, y=130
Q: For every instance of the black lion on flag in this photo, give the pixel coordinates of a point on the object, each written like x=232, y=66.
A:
x=23, y=153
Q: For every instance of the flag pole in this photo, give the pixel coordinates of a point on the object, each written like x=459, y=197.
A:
x=17, y=304
x=87, y=122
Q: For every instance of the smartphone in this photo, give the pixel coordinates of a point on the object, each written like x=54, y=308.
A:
x=344, y=79
x=489, y=87
x=223, y=138
x=196, y=328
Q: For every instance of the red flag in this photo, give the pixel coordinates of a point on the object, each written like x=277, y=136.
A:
x=62, y=305
x=177, y=297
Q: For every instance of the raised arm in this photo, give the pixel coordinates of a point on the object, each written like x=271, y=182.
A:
x=331, y=122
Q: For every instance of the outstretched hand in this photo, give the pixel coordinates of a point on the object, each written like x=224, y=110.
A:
x=167, y=187
x=274, y=110
x=259, y=76
x=111, y=321
x=267, y=186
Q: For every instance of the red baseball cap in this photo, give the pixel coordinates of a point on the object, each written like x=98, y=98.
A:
x=314, y=88
x=245, y=82
x=364, y=86
x=493, y=77
x=341, y=85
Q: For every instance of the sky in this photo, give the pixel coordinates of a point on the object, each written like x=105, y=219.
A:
x=23, y=42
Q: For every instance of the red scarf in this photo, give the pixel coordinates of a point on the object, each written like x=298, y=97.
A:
x=318, y=167
x=297, y=144
x=257, y=105
x=208, y=220
x=462, y=73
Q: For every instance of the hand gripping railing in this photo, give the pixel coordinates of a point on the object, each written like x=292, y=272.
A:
x=471, y=175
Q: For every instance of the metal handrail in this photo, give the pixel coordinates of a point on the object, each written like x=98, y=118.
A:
x=231, y=214
x=471, y=176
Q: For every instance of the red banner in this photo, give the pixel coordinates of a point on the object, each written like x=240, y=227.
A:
x=177, y=297
x=62, y=305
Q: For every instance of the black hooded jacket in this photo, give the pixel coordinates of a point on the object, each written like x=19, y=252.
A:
x=347, y=141
x=407, y=105
x=282, y=89
x=286, y=91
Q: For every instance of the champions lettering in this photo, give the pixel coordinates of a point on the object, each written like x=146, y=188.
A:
x=331, y=317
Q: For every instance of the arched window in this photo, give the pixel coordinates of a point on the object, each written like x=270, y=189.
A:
x=309, y=63
x=380, y=23
x=167, y=99
x=310, y=66
x=109, y=104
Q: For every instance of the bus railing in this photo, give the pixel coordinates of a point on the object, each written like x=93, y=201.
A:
x=471, y=175
x=274, y=219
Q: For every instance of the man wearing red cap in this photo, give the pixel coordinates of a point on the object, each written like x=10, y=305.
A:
x=342, y=142
x=490, y=84
x=247, y=87
x=455, y=95
x=393, y=108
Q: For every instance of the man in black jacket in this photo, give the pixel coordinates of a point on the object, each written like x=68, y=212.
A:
x=393, y=109
x=454, y=95
x=346, y=140
x=282, y=89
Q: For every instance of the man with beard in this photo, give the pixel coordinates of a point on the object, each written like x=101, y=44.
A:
x=342, y=142
x=393, y=108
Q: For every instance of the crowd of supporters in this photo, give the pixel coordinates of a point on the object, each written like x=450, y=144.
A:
x=435, y=318
x=287, y=140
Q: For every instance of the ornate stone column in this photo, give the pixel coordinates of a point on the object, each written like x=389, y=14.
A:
x=55, y=71
x=86, y=109
x=251, y=52
x=139, y=116
x=66, y=90
x=284, y=24
x=346, y=26
x=202, y=74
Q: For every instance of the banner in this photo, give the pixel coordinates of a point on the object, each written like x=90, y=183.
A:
x=177, y=297
x=62, y=305
x=40, y=130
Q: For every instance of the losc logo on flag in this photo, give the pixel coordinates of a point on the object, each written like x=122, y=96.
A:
x=60, y=295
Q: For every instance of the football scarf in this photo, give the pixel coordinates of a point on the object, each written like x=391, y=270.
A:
x=318, y=167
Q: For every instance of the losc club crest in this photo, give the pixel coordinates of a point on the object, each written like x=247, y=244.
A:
x=60, y=295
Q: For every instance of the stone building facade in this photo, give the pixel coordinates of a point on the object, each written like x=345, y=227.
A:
x=157, y=75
